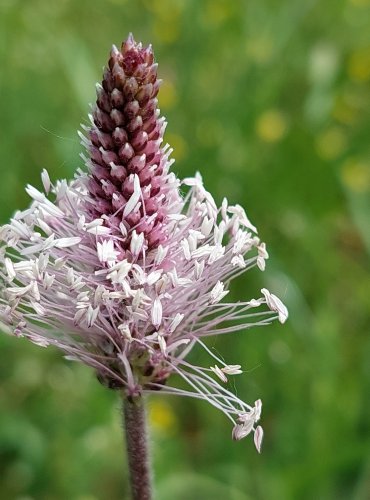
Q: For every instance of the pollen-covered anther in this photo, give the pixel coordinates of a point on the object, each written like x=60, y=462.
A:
x=262, y=256
x=217, y=293
x=232, y=369
x=157, y=312
x=258, y=438
x=106, y=251
x=125, y=331
x=46, y=181
x=162, y=345
x=238, y=261
x=275, y=304
x=219, y=372
x=240, y=431
x=175, y=322
x=137, y=242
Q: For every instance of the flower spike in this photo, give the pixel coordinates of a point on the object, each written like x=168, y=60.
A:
x=124, y=273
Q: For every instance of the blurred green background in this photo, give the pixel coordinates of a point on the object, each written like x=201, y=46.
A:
x=270, y=101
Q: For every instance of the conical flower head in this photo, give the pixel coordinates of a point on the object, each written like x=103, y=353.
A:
x=119, y=271
x=128, y=182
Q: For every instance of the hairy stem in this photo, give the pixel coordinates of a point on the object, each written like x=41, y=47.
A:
x=134, y=421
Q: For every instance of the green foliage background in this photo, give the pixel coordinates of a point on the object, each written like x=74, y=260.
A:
x=269, y=100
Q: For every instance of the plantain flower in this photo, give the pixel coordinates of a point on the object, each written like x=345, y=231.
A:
x=126, y=268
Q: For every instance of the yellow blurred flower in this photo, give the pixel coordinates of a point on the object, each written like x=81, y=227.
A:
x=271, y=126
x=260, y=50
x=165, y=9
x=166, y=31
x=161, y=416
x=360, y=3
x=331, y=143
x=217, y=11
x=345, y=109
x=355, y=175
x=358, y=67
x=118, y=2
x=166, y=14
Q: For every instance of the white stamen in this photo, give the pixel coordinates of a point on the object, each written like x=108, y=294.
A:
x=38, y=308
x=126, y=332
x=51, y=209
x=218, y=293
x=35, y=194
x=232, y=369
x=153, y=277
x=262, y=252
x=257, y=410
x=177, y=344
x=48, y=280
x=258, y=437
x=239, y=212
x=238, y=261
x=92, y=315
x=45, y=180
x=240, y=431
x=216, y=253
x=9, y=269
x=135, y=197
x=275, y=304
x=106, y=251
x=198, y=269
x=261, y=264
x=19, y=291
x=175, y=322
x=67, y=242
x=193, y=181
x=219, y=233
x=186, y=249
x=157, y=312
x=45, y=227
x=123, y=229
x=20, y=228
x=137, y=242
x=161, y=254
x=162, y=345
x=220, y=374
x=255, y=302
x=207, y=226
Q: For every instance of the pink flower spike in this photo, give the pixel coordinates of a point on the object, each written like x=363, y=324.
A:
x=126, y=268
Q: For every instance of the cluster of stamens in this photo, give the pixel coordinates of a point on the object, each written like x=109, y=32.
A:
x=120, y=271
